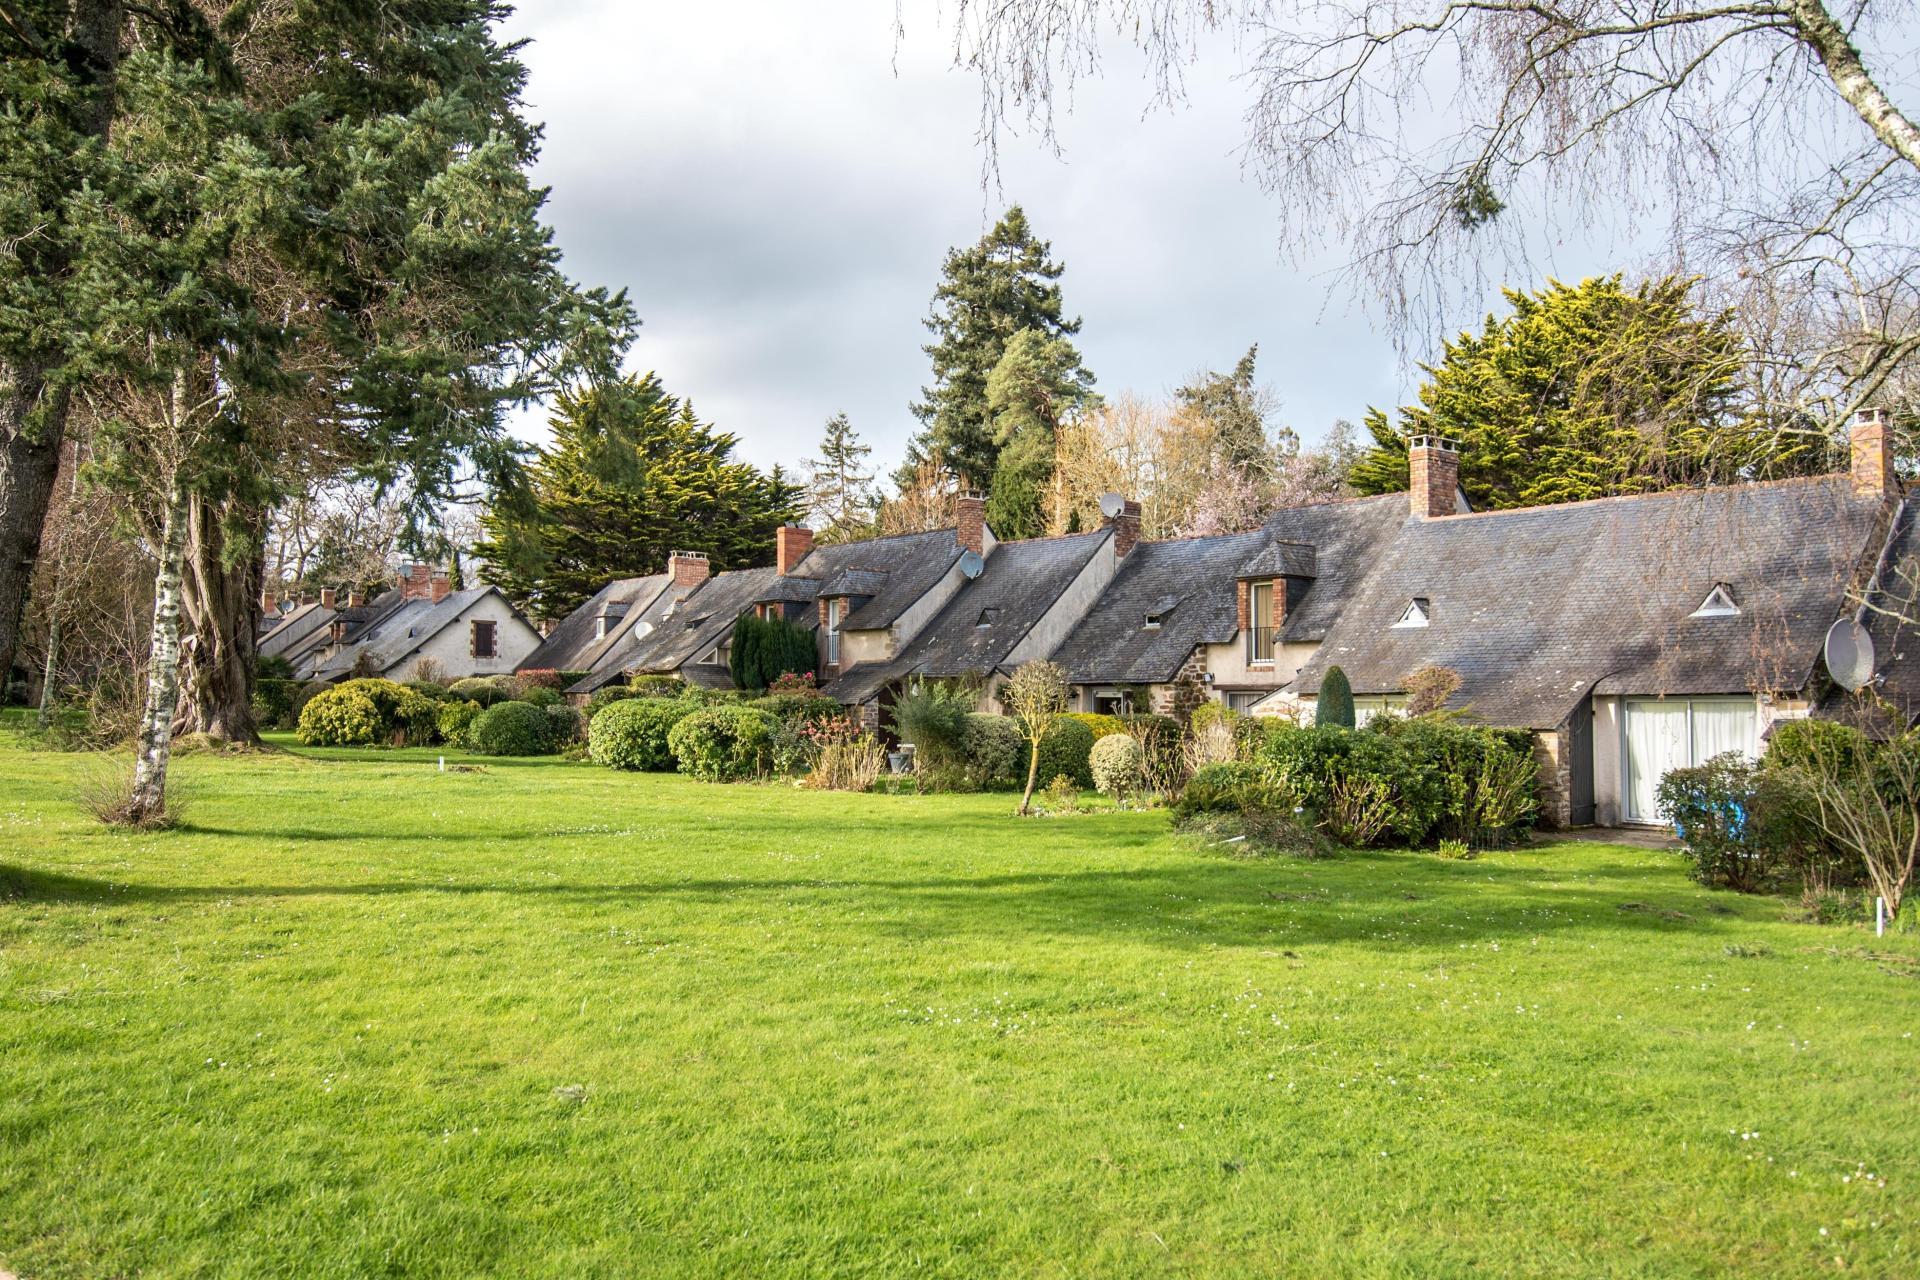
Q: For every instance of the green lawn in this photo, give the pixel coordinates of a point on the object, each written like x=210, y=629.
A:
x=360, y=1017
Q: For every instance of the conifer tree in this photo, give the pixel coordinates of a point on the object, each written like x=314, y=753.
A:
x=1334, y=706
x=1237, y=409
x=1587, y=391
x=632, y=475
x=1037, y=388
x=841, y=498
x=988, y=292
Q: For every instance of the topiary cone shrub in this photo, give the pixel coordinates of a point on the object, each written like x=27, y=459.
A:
x=1335, y=705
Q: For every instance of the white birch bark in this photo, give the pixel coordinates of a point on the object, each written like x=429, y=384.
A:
x=149, y=795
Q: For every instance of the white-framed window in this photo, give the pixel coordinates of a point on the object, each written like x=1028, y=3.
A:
x=1243, y=699
x=1418, y=612
x=1365, y=708
x=1260, y=622
x=834, y=608
x=1718, y=604
x=601, y=626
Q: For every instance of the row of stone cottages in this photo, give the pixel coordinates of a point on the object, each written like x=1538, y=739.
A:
x=1632, y=635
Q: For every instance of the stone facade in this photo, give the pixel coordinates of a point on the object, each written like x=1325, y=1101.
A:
x=1552, y=751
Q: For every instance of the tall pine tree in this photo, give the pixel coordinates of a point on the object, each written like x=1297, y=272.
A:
x=988, y=292
x=841, y=499
x=631, y=476
x=1587, y=391
x=1237, y=408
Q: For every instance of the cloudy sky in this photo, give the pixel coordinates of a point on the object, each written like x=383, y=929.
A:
x=776, y=184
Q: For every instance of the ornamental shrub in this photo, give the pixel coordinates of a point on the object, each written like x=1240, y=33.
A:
x=1229, y=788
x=723, y=743
x=454, y=719
x=538, y=678
x=540, y=695
x=931, y=714
x=632, y=734
x=565, y=725
x=993, y=751
x=1102, y=725
x=1334, y=706
x=1797, y=750
x=513, y=729
x=604, y=698
x=429, y=689
x=485, y=690
x=797, y=708
x=400, y=716
x=1067, y=751
x=1116, y=765
x=340, y=717
x=656, y=686
x=1726, y=811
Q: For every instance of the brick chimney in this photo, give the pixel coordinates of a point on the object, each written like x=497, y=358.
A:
x=1871, y=443
x=1126, y=528
x=439, y=586
x=790, y=546
x=326, y=597
x=689, y=568
x=355, y=599
x=416, y=582
x=970, y=522
x=269, y=602
x=1433, y=465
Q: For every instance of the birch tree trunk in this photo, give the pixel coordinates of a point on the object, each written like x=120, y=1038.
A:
x=148, y=799
x=1830, y=43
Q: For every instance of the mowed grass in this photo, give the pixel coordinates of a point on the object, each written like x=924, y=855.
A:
x=361, y=1017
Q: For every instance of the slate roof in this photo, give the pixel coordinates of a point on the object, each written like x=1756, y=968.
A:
x=1347, y=538
x=1020, y=582
x=299, y=625
x=1895, y=692
x=699, y=621
x=1536, y=607
x=610, y=662
x=1192, y=584
x=396, y=632
x=574, y=645
x=893, y=572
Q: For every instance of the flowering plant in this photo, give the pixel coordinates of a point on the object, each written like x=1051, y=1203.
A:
x=793, y=682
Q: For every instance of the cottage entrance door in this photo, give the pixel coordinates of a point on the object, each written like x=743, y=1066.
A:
x=1580, y=765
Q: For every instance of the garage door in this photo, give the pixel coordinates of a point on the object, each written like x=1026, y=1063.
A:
x=1672, y=733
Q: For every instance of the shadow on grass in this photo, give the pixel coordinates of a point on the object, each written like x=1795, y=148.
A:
x=1379, y=900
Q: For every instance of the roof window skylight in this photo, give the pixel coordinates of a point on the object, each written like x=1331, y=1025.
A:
x=1418, y=612
x=1718, y=604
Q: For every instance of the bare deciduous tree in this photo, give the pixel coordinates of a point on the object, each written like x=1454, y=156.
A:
x=1440, y=140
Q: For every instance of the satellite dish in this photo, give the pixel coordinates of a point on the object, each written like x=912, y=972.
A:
x=1849, y=654
x=971, y=564
x=1112, y=504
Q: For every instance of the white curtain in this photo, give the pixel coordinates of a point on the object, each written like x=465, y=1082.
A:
x=1724, y=725
x=1656, y=742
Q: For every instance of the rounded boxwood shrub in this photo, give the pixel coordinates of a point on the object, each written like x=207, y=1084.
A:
x=454, y=719
x=723, y=743
x=1231, y=788
x=334, y=717
x=604, y=698
x=992, y=750
x=1066, y=751
x=632, y=733
x=1116, y=763
x=513, y=729
x=540, y=695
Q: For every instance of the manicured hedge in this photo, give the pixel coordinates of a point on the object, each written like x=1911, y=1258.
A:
x=993, y=751
x=1102, y=725
x=454, y=720
x=513, y=729
x=633, y=734
x=724, y=743
x=1066, y=751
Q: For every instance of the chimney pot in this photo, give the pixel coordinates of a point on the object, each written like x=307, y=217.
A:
x=355, y=599
x=326, y=597
x=439, y=586
x=791, y=543
x=269, y=602
x=1870, y=450
x=970, y=522
x=1433, y=467
x=689, y=568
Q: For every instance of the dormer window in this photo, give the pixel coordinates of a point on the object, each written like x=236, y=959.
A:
x=600, y=626
x=988, y=616
x=1718, y=604
x=1417, y=613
